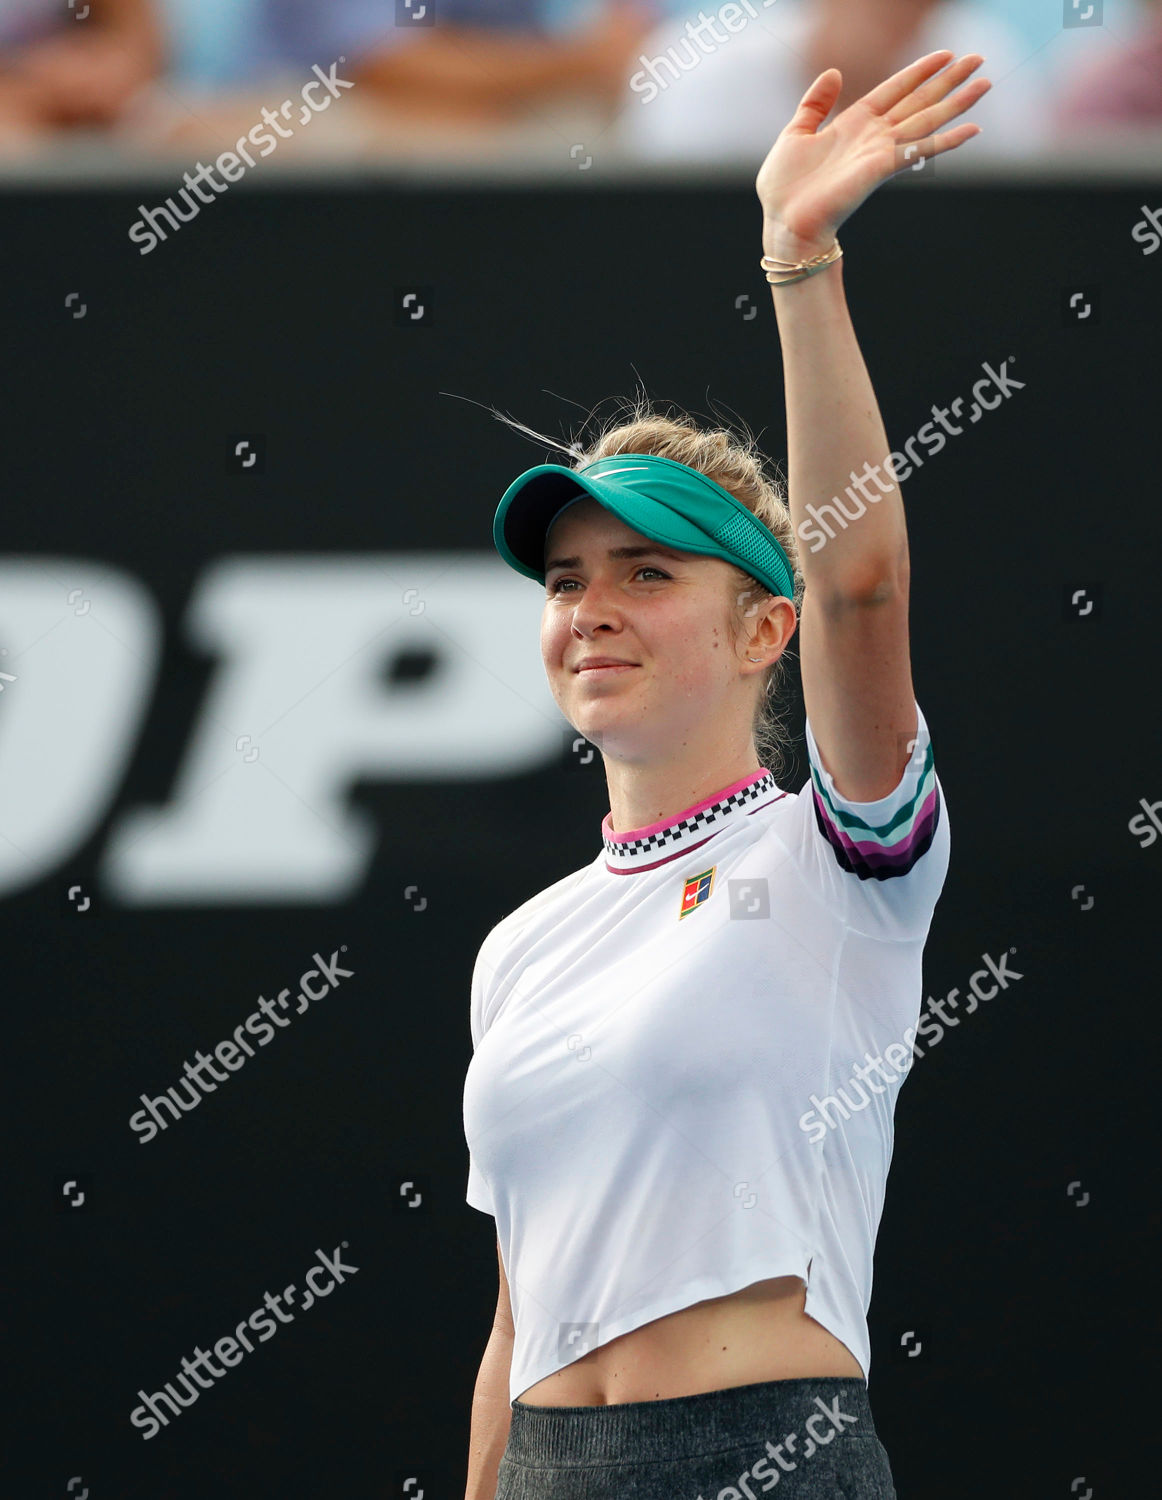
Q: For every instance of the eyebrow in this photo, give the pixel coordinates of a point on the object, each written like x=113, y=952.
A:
x=618, y=552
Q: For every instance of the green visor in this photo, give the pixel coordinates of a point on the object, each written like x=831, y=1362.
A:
x=666, y=501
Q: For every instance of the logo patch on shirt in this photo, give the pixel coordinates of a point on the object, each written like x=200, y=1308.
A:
x=696, y=890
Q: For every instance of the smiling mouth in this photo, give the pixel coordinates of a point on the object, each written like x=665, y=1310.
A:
x=599, y=671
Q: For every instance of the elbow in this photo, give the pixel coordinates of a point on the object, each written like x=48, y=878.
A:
x=864, y=580
x=870, y=586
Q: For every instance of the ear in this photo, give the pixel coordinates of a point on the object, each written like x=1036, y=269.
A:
x=771, y=628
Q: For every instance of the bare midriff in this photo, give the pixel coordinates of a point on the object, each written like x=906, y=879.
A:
x=759, y=1333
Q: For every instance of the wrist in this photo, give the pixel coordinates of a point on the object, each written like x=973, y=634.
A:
x=782, y=244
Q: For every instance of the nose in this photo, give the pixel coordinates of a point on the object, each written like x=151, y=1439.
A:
x=597, y=606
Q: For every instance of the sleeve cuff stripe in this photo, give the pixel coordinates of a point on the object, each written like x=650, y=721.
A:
x=873, y=858
x=900, y=822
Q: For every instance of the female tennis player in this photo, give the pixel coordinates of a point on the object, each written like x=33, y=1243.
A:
x=687, y=1054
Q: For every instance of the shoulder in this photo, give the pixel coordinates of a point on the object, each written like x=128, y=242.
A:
x=878, y=867
x=515, y=924
x=506, y=941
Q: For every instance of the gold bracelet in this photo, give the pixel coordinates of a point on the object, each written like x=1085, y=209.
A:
x=783, y=272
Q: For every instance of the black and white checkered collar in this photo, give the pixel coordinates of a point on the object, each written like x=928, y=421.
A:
x=659, y=843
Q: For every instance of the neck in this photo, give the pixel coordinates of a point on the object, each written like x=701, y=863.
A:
x=640, y=795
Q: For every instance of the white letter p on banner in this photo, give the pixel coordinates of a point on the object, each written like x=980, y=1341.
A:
x=80, y=644
x=301, y=707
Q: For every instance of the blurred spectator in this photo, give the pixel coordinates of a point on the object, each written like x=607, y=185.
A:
x=75, y=64
x=483, y=63
x=1119, y=87
x=482, y=66
x=661, y=79
x=730, y=97
x=491, y=58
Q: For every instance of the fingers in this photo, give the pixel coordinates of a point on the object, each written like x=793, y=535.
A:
x=816, y=103
x=927, y=120
x=936, y=88
x=900, y=84
x=947, y=140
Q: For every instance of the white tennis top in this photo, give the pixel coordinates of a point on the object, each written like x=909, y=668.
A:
x=687, y=1056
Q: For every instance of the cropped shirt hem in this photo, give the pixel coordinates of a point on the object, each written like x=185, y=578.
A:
x=702, y=1289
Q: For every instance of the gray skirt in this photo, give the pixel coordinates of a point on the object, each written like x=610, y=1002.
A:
x=811, y=1439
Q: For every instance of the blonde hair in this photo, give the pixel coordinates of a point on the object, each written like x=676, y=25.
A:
x=735, y=462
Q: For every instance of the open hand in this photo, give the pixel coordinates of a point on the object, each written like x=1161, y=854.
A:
x=812, y=179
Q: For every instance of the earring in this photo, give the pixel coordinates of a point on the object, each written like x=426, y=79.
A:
x=754, y=658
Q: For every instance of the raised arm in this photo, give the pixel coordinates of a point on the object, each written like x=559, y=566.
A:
x=844, y=500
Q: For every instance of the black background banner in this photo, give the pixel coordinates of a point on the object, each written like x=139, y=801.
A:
x=272, y=703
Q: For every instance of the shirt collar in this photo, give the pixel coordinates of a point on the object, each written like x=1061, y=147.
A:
x=658, y=843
